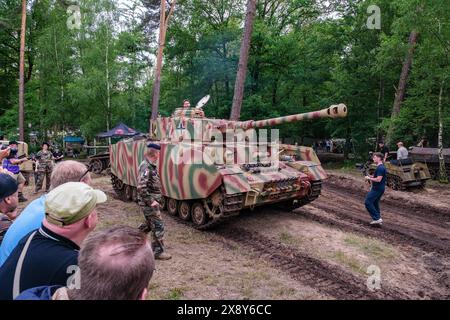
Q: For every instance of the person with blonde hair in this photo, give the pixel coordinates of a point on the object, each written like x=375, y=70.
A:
x=33, y=215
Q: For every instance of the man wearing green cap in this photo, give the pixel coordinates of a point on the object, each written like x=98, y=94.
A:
x=149, y=199
x=49, y=255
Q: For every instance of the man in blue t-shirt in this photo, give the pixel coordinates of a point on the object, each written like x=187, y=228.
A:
x=378, y=181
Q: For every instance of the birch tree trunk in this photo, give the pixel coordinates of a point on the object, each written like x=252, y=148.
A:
x=60, y=69
x=22, y=72
x=379, y=110
x=108, y=88
x=400, y=94
x=243, y=61
x=442, y=173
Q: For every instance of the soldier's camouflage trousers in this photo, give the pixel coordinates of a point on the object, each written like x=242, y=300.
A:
x=42, y=174
x=155, y=225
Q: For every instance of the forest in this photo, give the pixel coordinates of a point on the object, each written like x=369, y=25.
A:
x=90, y=64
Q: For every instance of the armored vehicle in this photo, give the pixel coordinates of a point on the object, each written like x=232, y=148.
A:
x=430, y=156
x=401, y=174
x=211, y=169
x=99, y=162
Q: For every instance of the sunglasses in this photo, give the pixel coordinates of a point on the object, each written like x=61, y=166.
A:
x=84, y=174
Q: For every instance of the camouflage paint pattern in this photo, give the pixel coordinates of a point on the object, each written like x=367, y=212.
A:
x=125, y=157
x=194, y=166
x=181, y=177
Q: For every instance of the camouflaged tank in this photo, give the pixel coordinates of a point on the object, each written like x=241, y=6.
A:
x=212, y=169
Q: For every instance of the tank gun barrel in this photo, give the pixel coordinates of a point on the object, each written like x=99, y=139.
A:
x=335, y=111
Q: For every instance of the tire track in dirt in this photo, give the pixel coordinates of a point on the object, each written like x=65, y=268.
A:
x=349, y=214
x=429, y=216
x=428, y=230
x=424, y=211
x=320, y=275
x=434, y=263
x=392, y=231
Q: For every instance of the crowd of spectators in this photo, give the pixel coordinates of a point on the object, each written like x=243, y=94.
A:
x=50, y=250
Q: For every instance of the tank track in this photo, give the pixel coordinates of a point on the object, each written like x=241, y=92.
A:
x=316, y=189
x=231, y=207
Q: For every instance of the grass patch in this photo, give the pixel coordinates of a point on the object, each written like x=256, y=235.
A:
x=284, y=292
x=175, y=294
x=370, y=247
x=287, y=238
x=247, y=293
x=349, y=261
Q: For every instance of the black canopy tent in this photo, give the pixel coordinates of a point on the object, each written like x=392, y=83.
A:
x=120, y=131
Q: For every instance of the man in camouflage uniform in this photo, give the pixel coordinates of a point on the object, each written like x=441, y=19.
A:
x=149, y=199
x=44, y=167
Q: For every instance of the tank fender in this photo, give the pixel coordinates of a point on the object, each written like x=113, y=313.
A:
x=235, y=181
x=312, y=169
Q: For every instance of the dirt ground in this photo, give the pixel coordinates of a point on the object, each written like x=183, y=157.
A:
x=325, y=250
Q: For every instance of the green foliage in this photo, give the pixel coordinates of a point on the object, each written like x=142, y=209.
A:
x=304, y=56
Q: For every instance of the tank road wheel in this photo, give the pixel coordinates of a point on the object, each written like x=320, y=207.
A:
x=423, y=184
x=117, y=185
x=398, y=185
x=389, y=181
x=394, y=182
x=199, y=216
x=286, y=206
x=96, y=166
x=172, y=206
x=134, y=196
x=185, y=210
x=128, y=193
x=163, y=203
